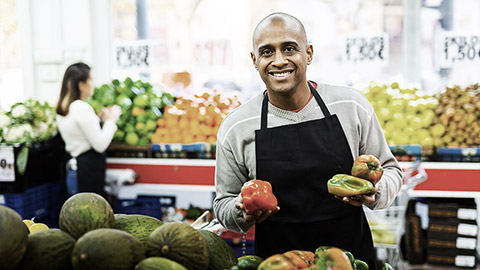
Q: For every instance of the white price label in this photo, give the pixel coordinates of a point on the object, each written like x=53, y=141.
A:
x=466, y=243
x=467, y=229
x=213, y=53
x=7, y=163
x=457, y=48
x=367, y=49
x=466, y=261
x=466, y=213
x=139, y=54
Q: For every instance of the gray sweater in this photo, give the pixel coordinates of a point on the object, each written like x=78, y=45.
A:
x=236, y=162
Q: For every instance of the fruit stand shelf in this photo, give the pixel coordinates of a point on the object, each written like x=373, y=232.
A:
x=445, y=179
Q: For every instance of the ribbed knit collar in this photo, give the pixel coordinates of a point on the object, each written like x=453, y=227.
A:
x=299, y=116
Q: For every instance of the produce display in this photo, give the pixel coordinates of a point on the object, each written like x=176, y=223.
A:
x=458, y=115
x=257, y=196
x=171, y=245
x=26, y=123
x=142, y=104
x=406, y=115
x=195, y=119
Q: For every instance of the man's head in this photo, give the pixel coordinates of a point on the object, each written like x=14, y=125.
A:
x=281, y=52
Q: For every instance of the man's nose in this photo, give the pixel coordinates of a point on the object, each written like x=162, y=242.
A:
x=280, y=59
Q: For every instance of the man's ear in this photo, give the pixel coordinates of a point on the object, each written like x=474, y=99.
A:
x=254, y=59
x=309, y=54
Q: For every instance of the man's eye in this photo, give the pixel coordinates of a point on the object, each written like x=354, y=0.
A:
x=290, y=49
x=266, y=52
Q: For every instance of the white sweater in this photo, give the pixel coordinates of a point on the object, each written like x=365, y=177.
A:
x=81, y=130
x=236, y=161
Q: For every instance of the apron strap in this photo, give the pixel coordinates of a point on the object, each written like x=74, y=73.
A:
x=263, y=122
x=319, y=100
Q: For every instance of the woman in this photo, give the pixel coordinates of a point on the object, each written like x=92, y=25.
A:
x=86, y=135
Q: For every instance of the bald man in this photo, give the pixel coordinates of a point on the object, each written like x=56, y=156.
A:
x=297, y=134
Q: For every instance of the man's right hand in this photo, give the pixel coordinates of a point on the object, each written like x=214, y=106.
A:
x=258, y=217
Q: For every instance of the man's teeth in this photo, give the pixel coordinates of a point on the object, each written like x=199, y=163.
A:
x=281, y=74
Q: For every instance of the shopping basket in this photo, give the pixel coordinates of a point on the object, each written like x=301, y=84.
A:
x=388, y=225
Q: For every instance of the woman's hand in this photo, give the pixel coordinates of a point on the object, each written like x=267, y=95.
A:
x=360, y=200
x=258, y=217
x=111, y=113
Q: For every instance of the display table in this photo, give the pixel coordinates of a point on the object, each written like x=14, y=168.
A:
x=445, y=179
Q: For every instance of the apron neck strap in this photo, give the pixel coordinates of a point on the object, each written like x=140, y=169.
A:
x=320, y=102
x=263, y=122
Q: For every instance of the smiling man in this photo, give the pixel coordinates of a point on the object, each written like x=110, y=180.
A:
x=296, y=135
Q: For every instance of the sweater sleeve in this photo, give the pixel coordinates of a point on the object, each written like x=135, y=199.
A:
x=229, y=178
x=373, y=142
x=98, y=137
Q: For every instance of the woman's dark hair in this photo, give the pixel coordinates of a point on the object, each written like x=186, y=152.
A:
x=75, y=73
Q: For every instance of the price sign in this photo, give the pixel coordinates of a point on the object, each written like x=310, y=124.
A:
x=139, y=54
x=367, y=49
x=213, y=53
x=457, y=48
x=7, y=162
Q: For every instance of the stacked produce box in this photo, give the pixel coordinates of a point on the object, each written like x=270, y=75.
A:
x=452, y=232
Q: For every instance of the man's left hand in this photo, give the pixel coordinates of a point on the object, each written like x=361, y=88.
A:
x=360, y=200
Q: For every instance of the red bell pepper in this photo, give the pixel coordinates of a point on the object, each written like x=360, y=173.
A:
x=367, y=167
x=257, y=196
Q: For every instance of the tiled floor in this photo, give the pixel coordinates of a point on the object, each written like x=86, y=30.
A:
x=435, y=267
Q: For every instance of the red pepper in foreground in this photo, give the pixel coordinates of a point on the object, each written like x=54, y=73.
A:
x=258, y=196
x=367, y=167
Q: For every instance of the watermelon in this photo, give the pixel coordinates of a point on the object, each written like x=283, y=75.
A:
x=140, y=226
x=13, y=238
x=154, y=263
x=180, y=242
x=222, y=255
x=107, y=249
x=84, y=212
x=48, y=249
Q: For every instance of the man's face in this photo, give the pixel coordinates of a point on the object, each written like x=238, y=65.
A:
x=281, y=55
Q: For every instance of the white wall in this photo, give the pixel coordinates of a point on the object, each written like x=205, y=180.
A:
x=57, y=33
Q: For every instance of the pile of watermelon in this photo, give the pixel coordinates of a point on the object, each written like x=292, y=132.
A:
x=92, y=236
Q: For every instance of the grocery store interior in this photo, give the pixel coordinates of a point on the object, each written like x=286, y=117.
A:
x=176, y=68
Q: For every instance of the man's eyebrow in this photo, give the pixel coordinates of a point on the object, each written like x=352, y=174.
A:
x=286, y=43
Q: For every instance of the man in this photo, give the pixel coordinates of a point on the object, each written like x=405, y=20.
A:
x=297, y=135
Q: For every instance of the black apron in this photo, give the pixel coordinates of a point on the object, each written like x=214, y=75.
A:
x=91, y=172
x=298, y=160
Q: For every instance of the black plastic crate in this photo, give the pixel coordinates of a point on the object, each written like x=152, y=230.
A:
x=46, y=163
x=153, y=206
x=39, y=201
x=242, y=247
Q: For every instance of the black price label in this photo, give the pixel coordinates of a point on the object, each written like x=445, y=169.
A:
x=132, y=56
x=459, y=49
x=373, y=49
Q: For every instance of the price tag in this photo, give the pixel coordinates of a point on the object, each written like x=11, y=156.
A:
x=467, y=229
x=466, y=243
x=455, y=48
x=7, y=163
x=139, y=54
x=213, y=53
x=367, y=49
x=466, y=261
x=466, y=213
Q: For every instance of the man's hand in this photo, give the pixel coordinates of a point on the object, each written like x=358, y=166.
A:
x=360, y=200
x=258, y=217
